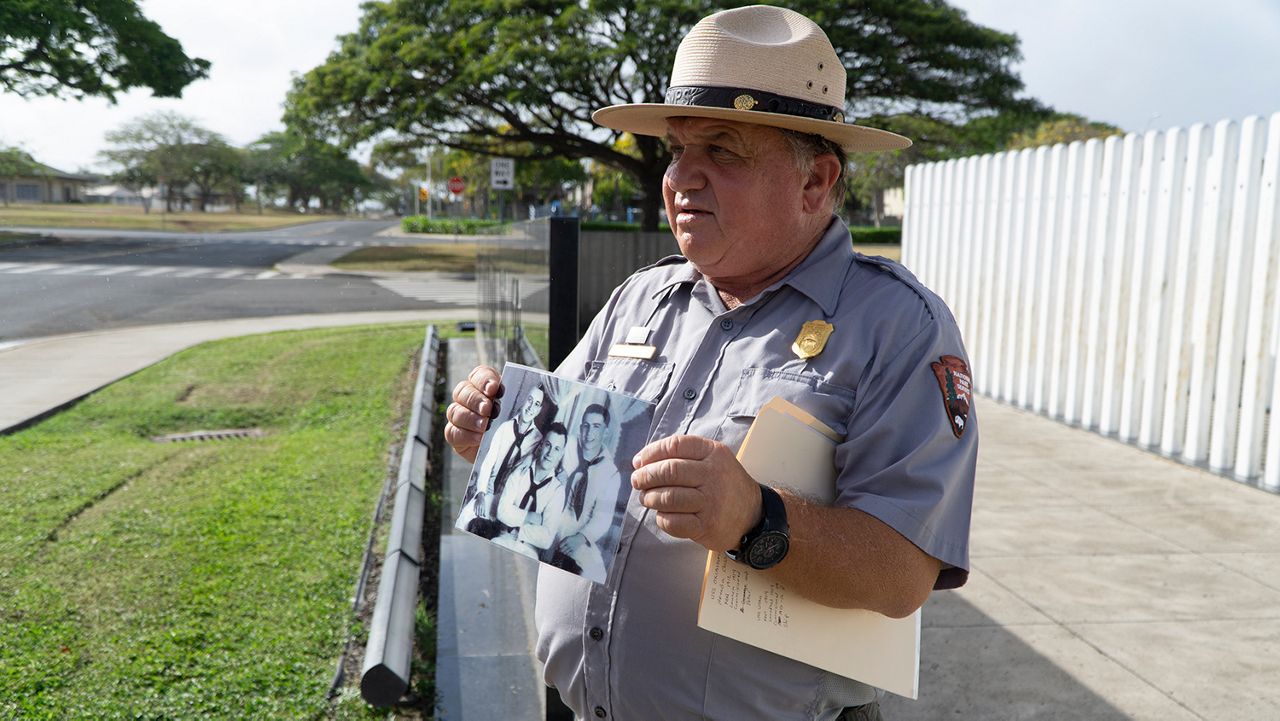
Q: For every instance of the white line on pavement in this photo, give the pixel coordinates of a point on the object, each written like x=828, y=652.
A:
x=35, y=268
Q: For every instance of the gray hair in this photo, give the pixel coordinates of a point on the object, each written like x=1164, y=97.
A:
x=805, y=147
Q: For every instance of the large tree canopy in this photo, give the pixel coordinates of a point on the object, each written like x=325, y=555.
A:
x=89, y=47
x=480, y=75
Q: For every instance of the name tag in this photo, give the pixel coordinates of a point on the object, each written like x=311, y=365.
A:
x=627, y=350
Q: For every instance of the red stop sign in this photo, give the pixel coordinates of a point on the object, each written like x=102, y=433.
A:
x=456, y=185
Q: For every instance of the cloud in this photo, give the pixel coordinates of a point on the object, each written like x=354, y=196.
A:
x=1145, y=64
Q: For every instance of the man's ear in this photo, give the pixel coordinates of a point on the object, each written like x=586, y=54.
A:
x=817, y=189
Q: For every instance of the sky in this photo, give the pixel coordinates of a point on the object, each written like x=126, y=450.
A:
x=1139, y=64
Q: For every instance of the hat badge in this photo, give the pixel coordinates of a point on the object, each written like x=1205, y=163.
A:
x=744, y=102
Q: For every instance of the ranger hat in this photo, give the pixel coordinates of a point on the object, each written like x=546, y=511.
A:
x=758, y=64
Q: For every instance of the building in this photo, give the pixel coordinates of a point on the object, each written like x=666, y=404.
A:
x=44, y=185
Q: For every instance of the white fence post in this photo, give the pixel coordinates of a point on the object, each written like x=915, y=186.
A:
x=1130, y=286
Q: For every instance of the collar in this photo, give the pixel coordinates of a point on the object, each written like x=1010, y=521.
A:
x=821, y=275
x=686, y=273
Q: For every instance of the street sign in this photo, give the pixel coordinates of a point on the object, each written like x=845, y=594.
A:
x=502, y=173
x=456, y=185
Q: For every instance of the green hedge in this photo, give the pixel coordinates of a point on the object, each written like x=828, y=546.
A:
x=864, y=235
x=448, y=226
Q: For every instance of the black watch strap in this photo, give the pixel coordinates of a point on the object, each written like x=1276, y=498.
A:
x=765, y=545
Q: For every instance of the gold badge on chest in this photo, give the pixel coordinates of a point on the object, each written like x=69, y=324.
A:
x=812, y=339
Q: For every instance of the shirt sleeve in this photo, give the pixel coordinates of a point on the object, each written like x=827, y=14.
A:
x=910, y=452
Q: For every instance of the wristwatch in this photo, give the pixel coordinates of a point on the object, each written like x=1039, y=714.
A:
x=765, y=545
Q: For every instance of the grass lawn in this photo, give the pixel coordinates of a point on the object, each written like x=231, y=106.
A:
x=123, y=217
x=443, y=257
x=182, y=580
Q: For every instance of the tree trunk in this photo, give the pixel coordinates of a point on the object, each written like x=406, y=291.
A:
x=651, y=205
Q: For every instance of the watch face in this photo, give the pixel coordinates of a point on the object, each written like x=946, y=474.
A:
x=768, y=550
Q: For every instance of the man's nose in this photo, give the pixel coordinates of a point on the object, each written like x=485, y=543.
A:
x=685, y=174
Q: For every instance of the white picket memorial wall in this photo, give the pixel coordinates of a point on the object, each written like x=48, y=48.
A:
x=1126, y=285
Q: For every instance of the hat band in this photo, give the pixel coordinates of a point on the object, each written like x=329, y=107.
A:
x=747, y=99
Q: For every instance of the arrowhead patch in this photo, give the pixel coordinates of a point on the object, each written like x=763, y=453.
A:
x=954, y=381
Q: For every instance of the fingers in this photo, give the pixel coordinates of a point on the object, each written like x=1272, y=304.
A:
x=682, y=525
x=688, y=447
x=475, y=400
x=465, y=418
x=464, y=443
x=673, y=499
x=486, y=380
x=669, y=472
x=474, y=403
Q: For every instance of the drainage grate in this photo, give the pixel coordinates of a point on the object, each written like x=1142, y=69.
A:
x=211, y=435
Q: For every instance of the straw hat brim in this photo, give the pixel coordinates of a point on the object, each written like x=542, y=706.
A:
x=651, y=119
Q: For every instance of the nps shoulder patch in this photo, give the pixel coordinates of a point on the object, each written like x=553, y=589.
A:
x=954, y=381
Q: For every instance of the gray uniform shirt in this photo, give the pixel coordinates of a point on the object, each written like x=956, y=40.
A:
x=631, y=649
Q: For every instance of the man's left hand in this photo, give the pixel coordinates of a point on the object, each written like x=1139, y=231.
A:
x=698, y=489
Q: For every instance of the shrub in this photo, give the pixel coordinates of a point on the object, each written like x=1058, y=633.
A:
x=616, y=226
x=865, y=235
x=449, y=226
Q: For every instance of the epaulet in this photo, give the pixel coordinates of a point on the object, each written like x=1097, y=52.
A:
x=669, y=260
x=904, y=276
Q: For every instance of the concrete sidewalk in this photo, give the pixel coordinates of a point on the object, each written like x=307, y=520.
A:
x=42, y=375
x=1108, y=583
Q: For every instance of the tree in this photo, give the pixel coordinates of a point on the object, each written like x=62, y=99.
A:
x=481, y=75
x=15, y=162
x=307, y=169
x=214, y=166
x=1062, y=128
x=870, y=174
x=90, y=48
x=158, y=151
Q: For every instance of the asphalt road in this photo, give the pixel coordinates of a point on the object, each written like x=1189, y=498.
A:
x=86, y=280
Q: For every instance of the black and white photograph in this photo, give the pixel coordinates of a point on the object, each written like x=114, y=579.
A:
x=553, y=475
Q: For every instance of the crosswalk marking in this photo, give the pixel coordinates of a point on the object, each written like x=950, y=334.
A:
x=34, y=268
x=155, y=271
x=117, y=269
x=139, y=271
x=73, y=269
x=439, y=290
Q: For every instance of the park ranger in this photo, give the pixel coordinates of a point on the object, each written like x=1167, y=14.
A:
x=767, y=300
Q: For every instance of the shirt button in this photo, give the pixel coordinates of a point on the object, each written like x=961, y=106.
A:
x=726, y=324
x=596, y=634
x=690, y=394
x=600, y=712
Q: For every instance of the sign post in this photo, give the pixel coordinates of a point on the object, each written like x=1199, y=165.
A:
x=502, y=176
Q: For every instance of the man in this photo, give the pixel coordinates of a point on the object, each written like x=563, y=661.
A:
x=512, y=441
x=592, y=497
x=768, y=300
x=532, y=500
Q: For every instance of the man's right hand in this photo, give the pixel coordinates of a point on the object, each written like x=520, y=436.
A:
x=474, y=403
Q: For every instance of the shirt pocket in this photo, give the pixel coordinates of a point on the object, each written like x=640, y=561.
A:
x=643, y=379
x=830, y=403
